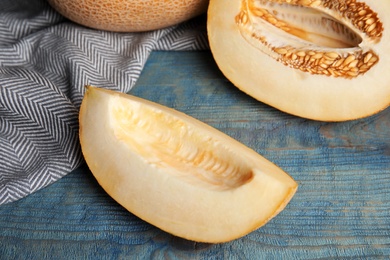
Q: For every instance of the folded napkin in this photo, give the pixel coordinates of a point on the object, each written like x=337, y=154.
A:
x=45, y=61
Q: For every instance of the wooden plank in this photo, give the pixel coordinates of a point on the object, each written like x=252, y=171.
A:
x=342, y=207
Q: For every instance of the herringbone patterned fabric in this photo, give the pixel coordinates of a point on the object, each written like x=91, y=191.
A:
x=45, y=61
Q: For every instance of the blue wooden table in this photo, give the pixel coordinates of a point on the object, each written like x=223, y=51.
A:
x=342, y=207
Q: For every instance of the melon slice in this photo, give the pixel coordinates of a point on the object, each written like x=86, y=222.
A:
x=319, y=59
x=176, y=172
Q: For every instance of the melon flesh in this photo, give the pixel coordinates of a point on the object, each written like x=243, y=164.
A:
x=254, y=51
x=176, y=172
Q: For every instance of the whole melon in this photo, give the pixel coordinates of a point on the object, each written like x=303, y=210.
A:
x=129, y=15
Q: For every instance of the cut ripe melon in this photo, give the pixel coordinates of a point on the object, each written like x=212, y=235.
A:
x=319, y=59
x=176, y=172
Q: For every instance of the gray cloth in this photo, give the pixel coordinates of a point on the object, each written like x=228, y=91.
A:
x=45, y=61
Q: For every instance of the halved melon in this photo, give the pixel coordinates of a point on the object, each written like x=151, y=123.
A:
x=176, y=172
x=319, y=59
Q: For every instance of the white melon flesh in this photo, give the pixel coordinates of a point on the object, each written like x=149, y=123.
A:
x=269, y=49
x=176, y=172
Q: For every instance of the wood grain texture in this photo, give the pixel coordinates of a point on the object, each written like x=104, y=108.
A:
x=341, y=210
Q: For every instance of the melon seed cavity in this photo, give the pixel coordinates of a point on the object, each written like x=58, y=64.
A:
x=313, y=36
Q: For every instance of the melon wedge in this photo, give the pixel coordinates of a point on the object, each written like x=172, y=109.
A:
x=326, y=60
x=176, y=172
